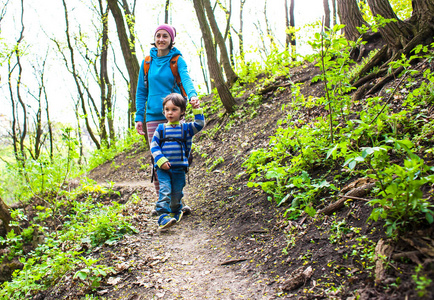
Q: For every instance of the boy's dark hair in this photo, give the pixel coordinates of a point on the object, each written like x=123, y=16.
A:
x=177, y=100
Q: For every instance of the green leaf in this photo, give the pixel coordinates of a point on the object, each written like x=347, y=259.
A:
x=429, y=217
x=331, y=151
x=283, y=200
x=82, y=274
x=352, y=165
x=310, y=211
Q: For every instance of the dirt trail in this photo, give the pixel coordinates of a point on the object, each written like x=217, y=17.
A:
x=187, y=261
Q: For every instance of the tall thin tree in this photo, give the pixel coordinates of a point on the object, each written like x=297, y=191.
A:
x=231, y=76
x=213, y=65
x=126, y=40
x=326, y=14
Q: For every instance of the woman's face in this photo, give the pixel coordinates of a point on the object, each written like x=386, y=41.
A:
x=162, y=39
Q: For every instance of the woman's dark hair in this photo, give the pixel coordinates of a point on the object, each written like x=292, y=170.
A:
x=177, y=100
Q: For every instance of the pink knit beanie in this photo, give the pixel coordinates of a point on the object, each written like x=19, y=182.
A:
x=170, y=29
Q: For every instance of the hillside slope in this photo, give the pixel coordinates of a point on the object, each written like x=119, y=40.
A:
x=237, y=244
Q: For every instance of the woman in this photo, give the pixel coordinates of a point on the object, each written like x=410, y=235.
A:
x=160, y=83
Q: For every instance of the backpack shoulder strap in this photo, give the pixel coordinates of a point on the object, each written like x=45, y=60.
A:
x=185, y=129
x=174, y=68
x=162, y=131
x=146, y=67
x=147, y=64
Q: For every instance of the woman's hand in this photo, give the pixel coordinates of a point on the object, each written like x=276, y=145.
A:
x=139, y=128
x=195, y=102
x=165, y=166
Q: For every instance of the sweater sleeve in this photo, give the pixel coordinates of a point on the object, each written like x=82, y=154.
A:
x=141, y=95
x=199, y=120
x=185, y=78
x=157, y=153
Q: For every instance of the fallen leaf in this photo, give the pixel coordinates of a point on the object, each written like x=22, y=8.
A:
x=114, y=280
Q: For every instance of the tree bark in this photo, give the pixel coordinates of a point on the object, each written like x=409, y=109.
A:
x=350, y=15
x=326, y=14
x=335, y=19
x=74, y=73
x=166, y=12
x=423, y=15
x=129, y=55
x=290, y=24
x=228, y=13
x=400, y=36
x=19, y=128
x=268, y=27
x=213, y=65
x=104, y=83
x=396, y=34
x=240, y=31
x=231, y=76
x=5, y=215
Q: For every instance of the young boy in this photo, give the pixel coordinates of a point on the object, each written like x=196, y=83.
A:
x=170, y=156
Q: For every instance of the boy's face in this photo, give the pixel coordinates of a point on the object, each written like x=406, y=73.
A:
x=172, y=112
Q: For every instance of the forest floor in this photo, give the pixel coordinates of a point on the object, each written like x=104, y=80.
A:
x=235, y=244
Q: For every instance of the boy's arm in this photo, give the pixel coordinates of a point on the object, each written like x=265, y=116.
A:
x=156, y=150
x=199, y=120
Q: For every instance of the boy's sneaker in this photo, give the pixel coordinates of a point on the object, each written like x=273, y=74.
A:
x=177, y=216
x=165, y=221
x=186, y=210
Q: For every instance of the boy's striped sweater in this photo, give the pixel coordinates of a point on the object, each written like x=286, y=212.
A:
x=171, y=150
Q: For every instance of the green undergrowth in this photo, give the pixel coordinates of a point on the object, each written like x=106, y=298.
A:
x=85, y=223
x=322, y=143
x=387, y=138
x=22, y=179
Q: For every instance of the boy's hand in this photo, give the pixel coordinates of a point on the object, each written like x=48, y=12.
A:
x=166, y=166
x=195, y=102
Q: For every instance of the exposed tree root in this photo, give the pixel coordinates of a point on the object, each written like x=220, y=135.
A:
x=297, y=279
x=382, y=59
x=376, y=60
x=356, y=192
x=382, y=254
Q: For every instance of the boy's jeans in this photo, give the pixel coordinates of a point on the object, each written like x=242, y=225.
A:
x=172, y=183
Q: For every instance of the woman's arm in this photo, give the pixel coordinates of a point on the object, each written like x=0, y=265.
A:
x=141, y=96
x=187, y=83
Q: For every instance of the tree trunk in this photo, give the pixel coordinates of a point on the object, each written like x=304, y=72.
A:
x=335, y=19
x=396, y=34
x=401, y=37
x=104, y=83
x=228, y=13
x=74, y=73
x=287, y=37
x=19, y=129
x=166, y=12
x=290, y=24
x=5, y=215
x=423, y=14
x=129, y=55
x=231, y=76
x=240, y=31
x=268, y=27
x=326, y=14
x=350, y=15
x=213, y=65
